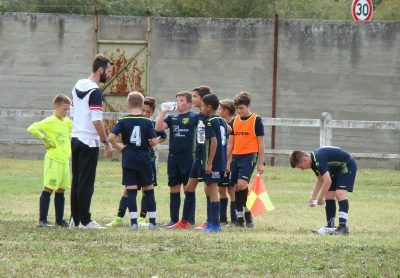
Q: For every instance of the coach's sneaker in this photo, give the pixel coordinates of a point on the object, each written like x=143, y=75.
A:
x=142, y=223
x=72, y=224
x=341, y=230
x=169, y=224
x=325, y=230
x=62, y=224
x=43, y=224
x=91, y=225
x=152, y=226
x=117, y=222
x=181, y=224
x=134, y=227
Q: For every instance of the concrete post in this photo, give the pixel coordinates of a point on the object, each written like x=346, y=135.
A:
x=325, y=133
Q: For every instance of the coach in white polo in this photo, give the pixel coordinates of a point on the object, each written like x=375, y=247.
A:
x=87, y=135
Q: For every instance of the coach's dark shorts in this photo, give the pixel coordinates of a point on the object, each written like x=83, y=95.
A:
x=242, y=167
x=142, y=177
x=344, y=181
x=178, y=168
x=197, y=170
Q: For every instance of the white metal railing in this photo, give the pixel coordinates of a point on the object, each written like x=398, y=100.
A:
x=325, y=124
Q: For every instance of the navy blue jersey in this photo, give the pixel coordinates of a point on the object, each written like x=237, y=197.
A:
x=199, y=147
x=332, y=159
x=182, y=133
x=216, y=127
x=161, y=134
x=136, y=130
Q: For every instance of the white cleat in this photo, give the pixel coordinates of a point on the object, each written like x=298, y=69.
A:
x=91, y=225
x=325, y=230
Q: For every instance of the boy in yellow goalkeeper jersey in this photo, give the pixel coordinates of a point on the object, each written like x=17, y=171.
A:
x=55, y=132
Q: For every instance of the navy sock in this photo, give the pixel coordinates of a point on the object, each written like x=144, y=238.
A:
x=239, y=207
x=44, y=204
x=330, y=210
x=123, y=205
x=233, y=211
x=209, y=217
x=223, y=209
x=192, y=217
x=215, y=209
x=188, y=204
x=174, y=205
x=343, y=212
x=143, y=204
x=132, y=205
x=59, y=204
x=243, y=195
x=151, y=205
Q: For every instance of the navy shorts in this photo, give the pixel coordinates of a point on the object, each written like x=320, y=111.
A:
x=214, y=177
x=139, y=177
x=178, y=168
x=225, y=181
x=242, y=167
x=344, y=181
x=197, y=170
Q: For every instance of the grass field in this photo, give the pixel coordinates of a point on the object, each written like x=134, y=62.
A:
x=281, y=244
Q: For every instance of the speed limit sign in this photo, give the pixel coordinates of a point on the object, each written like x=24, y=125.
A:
x=362, y=10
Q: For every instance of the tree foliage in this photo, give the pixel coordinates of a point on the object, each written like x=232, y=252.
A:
x=290, y=9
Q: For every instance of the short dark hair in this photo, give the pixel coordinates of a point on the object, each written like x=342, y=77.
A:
x=100, y=61
x=185, y=94
x=61, y=98
x=211, y=100
x=202, y=90
x=296, y=157
x=228, y=105
x=135, y=99
x=151, y=102
x=243, y=98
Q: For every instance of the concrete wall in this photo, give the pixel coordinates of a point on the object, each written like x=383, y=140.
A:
x=351, y=70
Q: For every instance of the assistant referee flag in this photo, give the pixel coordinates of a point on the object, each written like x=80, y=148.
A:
x=258, y=200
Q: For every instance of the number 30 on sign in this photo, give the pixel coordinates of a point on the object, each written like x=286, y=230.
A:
x=362, y=10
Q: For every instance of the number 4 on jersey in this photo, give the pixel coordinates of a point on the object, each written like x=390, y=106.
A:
x=135, y=136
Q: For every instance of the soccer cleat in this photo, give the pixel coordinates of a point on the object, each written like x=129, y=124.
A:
x=325, y=230
x=91, y=225
x=169, y=224
x=117, y=222
x=249, y=219
x=44, y=224
x=134, y=227
x=341, y=230
x=153, y=227
x=181, y=224
x=142, y=223
x=202, y=226
x=72, y=224
x=212, y=229
x=62, y=224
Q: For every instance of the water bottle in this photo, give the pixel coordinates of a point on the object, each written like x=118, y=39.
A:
x=201, y=132
x=168, y=106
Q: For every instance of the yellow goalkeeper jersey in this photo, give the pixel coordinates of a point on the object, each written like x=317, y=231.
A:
x=59, y=132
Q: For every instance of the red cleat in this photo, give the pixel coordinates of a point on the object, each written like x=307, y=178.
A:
x=181, y=224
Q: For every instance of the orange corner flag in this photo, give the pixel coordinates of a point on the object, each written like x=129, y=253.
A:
x=258, y=200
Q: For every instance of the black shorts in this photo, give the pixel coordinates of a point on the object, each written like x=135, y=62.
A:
x=214, y=177
x=344, y=181
x=178, y=168
x=197, y=170
x=140, y=177
x=242, y=167
x=225, y=181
